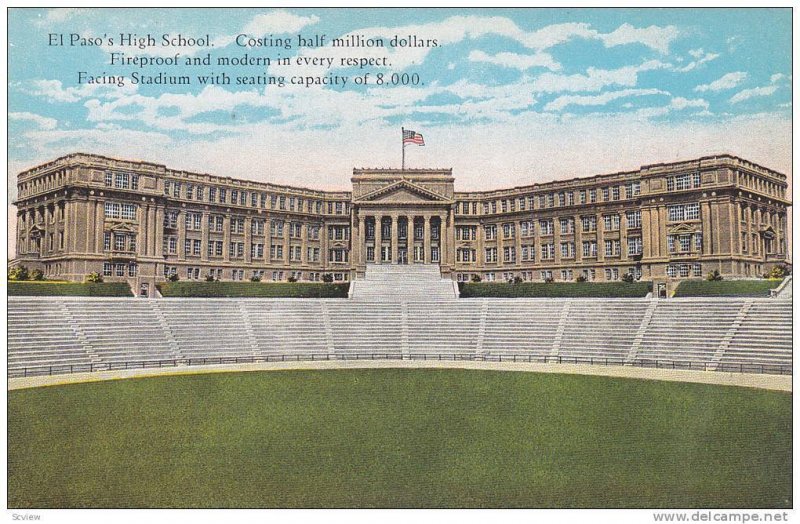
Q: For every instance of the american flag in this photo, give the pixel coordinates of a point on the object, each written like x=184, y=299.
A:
x=412, y=137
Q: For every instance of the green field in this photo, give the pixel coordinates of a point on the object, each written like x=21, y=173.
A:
x=555, y=289
x=729, y=288
x=398, y=438
x=254, y=289
x=74, y=289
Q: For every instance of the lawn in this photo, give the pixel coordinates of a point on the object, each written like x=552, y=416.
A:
x=75, y=289
x=730, y=288
x=254, y=289
x=555, y=289
x=398, y=438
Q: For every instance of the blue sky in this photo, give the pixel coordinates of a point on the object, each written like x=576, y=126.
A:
x=508, y=97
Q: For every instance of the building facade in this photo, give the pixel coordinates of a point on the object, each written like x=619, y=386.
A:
x=142, y=222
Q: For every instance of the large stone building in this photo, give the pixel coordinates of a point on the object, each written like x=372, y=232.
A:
x=141, y=222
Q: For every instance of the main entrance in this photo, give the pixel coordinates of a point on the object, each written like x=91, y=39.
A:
x=402, y=256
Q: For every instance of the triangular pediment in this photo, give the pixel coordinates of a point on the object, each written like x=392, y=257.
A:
x=122, y=228
x=403, y=191
x=682, y=228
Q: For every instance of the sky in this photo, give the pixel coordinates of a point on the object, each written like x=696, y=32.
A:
x=506, y=97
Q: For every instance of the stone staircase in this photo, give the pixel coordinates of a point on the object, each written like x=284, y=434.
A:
x=391, y=282
x=61, y=335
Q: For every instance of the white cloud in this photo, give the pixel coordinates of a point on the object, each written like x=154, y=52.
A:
x=54, y=91
x=516, y=61
x=726, y=81
x=594, y=79
x=777, y=77
x=57, y=16
x=654, y=37
x=41, y=122
x=754, y=92
x=278, y=22
x=682, y=103
x=598, y=100
x=700, y=58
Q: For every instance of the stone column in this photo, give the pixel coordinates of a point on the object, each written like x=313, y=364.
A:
x=577, y=235
x=601, y=245
x=142, y=239
x=153, y=226
x=204, y=230
x=378, y=238
x=395, y=238
x=426, y=239
x=248, y=239
x=361, y=250
x=705, y=227
x=99, y=226
x=226, y=238
x=182, y=235
x=159, y=229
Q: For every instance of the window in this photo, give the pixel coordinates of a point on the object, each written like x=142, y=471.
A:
x=611, y=222
x=589, y=248
x=582, y=196
x=509, y=254
x=256, y=250
x=119, y=242
x=276, y=252
x=200, y=192
x=526, y=228
x=683, y=212
x=508, y=230
x=698, y=242
x=634, y=245
x=568, y=250
x=612, y=248
x=612, y=274
x=109, y=179
x=634, y=219
x=491, y=254
x=615, y=193
x=490, y=232
x=592, y=196
x=546, y=275
x=223, y=195
x=276, y=228
x=189, y=191
x=605, y=194
x=176, y=189
x=257, y=227
x=562, y=199
x=633, y=189
x=122, y=181
x=566, y=274
x=548, y=251
x=212, y=194
x=193, y=221
x=546, y=227
x=697, y=269
x=254, y=199
x=567, y=225
x=107, y=240
x=589, y=223
x=107, y=269
x=129, y=211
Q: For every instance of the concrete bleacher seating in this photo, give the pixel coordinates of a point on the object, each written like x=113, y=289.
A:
x=715, y=334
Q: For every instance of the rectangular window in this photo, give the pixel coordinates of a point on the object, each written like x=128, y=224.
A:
x=615, y=193
x=546, y=227
x=548, y=251
x=567, y=225
x=605, y=194
x=212, y=194
x=234, y=196
x=634, y=245
x=634, y=219
x=109, y=178
x=223, y=195
x=582, y=196
x=611, y=222
x=189, y=191
x=589, y=223
x=567, y=250
x=589, y=248
x=200, y=192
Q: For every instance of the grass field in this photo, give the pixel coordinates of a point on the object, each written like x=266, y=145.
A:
x=398, y=438
x=254, y=289
x=555, y=289
x=722, y=288
x=74, y=289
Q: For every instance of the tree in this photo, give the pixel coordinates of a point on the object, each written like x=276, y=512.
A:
x=475, y=278
x=292, y=279
x=36, y=274
x=255, y=278
x=628, y=277
x=580, y=278
x=327, y=278
x=94, y=278
x=210, y=278
x=714, y=276
x=18, y=273
x=549, y=280
x=517, y=280
x=173, y=277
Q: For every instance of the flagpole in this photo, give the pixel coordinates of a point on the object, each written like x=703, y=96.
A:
x=403, y=147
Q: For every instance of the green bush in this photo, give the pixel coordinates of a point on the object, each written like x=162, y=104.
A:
x=726, y=288
x=475, y=278
x=327, y=278
x=254, y=289
x=18, y=273
x=714, y=276
x=556, y=289
x=780, y=271
x=94, y=278
x=37, y=275
x=69, y=289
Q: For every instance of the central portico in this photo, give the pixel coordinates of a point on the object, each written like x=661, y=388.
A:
x=403, y=216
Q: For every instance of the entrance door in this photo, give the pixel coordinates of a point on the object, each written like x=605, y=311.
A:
x=402, y=255
x=144, y=291
x=662, y=290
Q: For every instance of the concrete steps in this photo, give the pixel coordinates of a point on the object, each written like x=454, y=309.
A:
x=403, y=282
x=719, y=334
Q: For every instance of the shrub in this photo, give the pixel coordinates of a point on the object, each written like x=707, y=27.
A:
x=475, y=278
x=36, y=274
x=174, y=277
x=18, y=273
x=714, y=276
x=628, y=277
x=94, y=278
x=292, y=279
x=580, y=278
x=779, y=271
x=517, y=280
x=255, y=278
x=549, y=280
x=327, y=278
x=210, y=278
